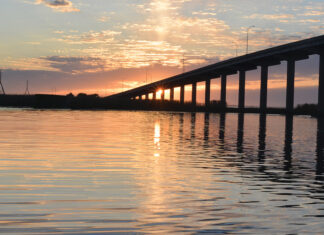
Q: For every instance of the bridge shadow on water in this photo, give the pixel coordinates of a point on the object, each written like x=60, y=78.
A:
x=265, y=164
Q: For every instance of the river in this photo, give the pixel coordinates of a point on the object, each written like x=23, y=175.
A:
x=99, y=172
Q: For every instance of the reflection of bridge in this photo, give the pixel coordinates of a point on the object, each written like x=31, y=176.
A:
x=227, y=139
x=291, y=53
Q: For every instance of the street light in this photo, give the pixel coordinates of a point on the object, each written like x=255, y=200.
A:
x=247, y=38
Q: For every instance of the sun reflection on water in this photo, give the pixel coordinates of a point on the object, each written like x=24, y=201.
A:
x=157, y=135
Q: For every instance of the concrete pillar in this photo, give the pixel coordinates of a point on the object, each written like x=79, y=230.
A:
x=146, y=96
x=172, y=94
x=241, y=99
x=207, y=93
x=182, y=94
x=321, y=86
x=194, y=94
x=154, y=95
x=223, y=90
x=290, y=86
x=264, y=88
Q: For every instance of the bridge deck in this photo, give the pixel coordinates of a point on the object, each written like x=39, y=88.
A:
x=272, y=56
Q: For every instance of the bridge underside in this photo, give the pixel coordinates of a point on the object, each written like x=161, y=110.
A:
x=291, y=53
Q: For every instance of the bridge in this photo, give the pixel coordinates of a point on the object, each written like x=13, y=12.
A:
x=290, y=52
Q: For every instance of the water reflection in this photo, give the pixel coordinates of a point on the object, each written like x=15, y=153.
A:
x=320, y=149
x=222, y=123
x=240, y=132
x=206, y=126
x=192, y=125
x=181, y=121
x=288, y=143
x=157, y=135
x=262, y=141
x=262, y=151
x=181, y=173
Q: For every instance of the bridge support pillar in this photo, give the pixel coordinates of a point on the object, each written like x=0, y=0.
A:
x=290, y=86
x=154, y=95
x=194, y=94
x=321, y=86
x=264, y=88
x=162, y=95
x=172, y=94
x=207, y=93
x=182, y=94
x=241, y=99
x=223, y=90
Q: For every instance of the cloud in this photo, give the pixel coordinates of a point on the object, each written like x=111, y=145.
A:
x=105, y=36
x=62, y=64
x=75, y=65
x=103, y=19
x=59, y=5
x=313, y=13
x=130, y=53
x=279, y=17
x=23, y=64
x=162, y=5
x=202, y=13
x=205, y=37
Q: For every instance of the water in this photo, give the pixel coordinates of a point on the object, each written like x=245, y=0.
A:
x=99, y=172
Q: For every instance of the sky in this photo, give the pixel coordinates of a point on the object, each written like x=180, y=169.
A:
x=109, y=46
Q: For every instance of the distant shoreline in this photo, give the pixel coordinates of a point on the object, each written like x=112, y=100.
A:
x=94, y=102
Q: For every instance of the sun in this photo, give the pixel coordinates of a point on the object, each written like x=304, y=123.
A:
x=159, y=92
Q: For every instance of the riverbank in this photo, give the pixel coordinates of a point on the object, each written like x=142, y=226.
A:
x=83, y=101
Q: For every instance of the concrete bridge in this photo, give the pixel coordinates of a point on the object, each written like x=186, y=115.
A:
x=291, y=53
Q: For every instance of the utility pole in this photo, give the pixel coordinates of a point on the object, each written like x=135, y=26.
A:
x=3, y=92
x=27, y=89
x=247, y=38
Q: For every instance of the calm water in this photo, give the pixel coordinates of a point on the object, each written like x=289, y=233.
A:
x=105, y=172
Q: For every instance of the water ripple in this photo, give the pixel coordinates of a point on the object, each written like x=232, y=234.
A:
x=89, y=172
